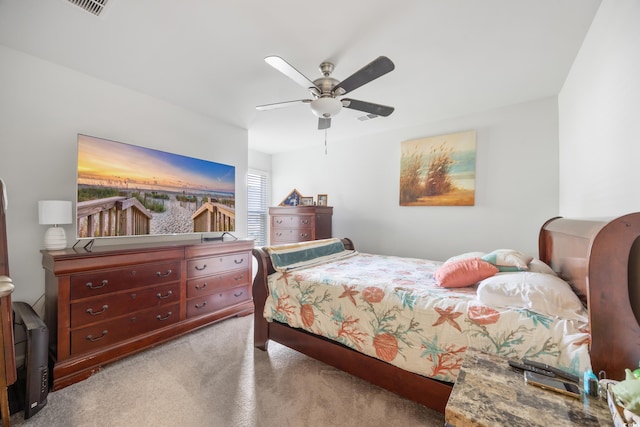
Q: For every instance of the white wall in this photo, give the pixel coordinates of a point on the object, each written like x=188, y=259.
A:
x=599, y=111
x=516, y=185
x=259, y=161
x=42, y=109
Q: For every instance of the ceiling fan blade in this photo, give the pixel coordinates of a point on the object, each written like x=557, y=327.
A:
x=288, y=70
x=367, y=107
x=376, y=68
x=324, y=123
x=281, y=104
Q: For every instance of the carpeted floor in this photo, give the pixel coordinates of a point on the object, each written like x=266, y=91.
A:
x=214, y=377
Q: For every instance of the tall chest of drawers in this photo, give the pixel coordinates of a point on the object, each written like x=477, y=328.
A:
x=291, y=224
x=117, y=300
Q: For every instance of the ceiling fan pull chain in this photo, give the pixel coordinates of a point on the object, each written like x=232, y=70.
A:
x=325, y=142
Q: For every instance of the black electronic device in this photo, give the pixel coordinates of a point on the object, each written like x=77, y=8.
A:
x=556, y=371
x=29, y=393
x=554, y=384
x=524, y=367
x=543, y=369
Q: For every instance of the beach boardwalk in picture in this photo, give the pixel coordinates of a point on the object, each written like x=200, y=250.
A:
x=129, y=190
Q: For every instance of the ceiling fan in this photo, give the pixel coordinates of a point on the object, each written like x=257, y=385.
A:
x=326, y=90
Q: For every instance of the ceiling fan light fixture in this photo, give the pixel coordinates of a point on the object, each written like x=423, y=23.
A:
x=326, y=89
x=326, y=107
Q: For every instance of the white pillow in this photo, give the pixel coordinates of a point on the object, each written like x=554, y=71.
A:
x=537, y=266
x=508, y=260
x=465, y=255
x=541, y=293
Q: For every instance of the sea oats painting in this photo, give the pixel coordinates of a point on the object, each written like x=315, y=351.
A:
x=438, y=170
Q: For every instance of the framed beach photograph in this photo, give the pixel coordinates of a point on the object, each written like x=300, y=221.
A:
x=322, y=200
x=306, y=201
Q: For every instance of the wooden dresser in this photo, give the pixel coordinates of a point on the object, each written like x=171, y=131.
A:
x=290, y=224
x=117, y=300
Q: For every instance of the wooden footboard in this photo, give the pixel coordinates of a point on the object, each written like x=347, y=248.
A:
x=260, y=293
x=261, y=334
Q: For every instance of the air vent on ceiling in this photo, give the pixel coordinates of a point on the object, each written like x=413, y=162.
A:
x=95, y=7
x=367, y=117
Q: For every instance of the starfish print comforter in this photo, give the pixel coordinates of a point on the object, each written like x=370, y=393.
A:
x=393, y=309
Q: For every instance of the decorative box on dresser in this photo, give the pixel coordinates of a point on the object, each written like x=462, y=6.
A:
x=113, y=301
x=291, y=224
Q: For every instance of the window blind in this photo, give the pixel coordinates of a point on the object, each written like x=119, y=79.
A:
x=258, y=212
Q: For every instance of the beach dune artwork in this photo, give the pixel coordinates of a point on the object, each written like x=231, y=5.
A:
x=438, y=170
x=127, y=190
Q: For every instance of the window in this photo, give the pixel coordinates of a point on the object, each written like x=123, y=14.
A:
x=258, y=213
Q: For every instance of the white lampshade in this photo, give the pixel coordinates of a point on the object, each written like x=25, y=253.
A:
x=54, y=212
x=326, y=107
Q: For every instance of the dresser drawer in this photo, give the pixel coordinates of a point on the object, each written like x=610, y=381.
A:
x=291, y=236
x=218, y=301
x=210, y=284
x=291, y=221
x=113, y=331
x=107, y=281
x=217, y=264
x=108, y=306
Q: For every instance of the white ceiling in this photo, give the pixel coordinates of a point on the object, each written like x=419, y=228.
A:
x=452, y=57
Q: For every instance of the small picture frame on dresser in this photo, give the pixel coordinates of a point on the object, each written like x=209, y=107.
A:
x=306, y=201
x=322, y=200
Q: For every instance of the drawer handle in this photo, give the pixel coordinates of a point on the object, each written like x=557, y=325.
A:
x=304, y=221
x=278, y=233
x=159, y=317
x=159, y=295
x=92, y=339
x=102, y=284
x=199, y=288
x=159, y=274
x=304, y=235
x=238, y=295
x=199, y=306
x=279, y=221
x=200, y=268
x=95, y=313
x=238, y=278
x=239, y=262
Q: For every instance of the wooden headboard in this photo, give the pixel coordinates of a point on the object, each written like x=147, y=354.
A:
x=601, y=260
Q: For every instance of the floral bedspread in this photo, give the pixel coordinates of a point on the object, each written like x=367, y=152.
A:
x=391, y=308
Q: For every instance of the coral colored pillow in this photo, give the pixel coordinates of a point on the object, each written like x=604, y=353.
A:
x=464, y=272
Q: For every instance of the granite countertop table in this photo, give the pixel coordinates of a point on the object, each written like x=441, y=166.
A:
x=490, y=393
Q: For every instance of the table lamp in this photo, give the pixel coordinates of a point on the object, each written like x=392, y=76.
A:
x=54, y=212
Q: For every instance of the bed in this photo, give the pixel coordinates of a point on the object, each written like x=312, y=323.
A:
x=597, y=258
